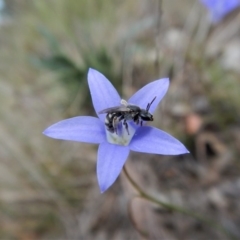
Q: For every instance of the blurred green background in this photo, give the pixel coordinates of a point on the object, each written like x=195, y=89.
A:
x=48, y=188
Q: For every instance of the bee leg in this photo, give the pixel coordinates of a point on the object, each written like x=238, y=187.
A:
x=115, y=123
x=126, y=126
x=141, y=123
x=137, y=121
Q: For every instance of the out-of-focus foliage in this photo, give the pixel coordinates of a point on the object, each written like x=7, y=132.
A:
x=74, y=77
x=46, y=186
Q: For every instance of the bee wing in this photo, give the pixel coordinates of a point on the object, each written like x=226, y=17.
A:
x=114, y=109
x=130, y=104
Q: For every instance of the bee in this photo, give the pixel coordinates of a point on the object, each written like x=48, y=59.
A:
x=124, y=113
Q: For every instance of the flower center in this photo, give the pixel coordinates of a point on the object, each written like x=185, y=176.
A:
x=122, y=136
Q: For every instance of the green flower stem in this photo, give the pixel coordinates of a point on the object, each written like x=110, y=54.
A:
x=175, y=208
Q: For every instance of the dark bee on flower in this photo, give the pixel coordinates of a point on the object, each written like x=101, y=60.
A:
x=124, y=113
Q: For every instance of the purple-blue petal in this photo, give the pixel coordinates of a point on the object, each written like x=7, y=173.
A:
x=111, y=159
x=156, y=141
x=103, y=93
x=220, y=8
x=146, y=94
x=80, y=129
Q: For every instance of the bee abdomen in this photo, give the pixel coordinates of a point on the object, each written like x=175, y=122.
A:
x=109, y=122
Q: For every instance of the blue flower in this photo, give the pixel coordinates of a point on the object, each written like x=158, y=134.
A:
x=114, y=148
x=219, y=8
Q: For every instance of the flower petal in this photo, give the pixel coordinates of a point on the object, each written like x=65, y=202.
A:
x=219, y=9
x=146, y=94
x=80, y=129
x=153, y=140
x=103, y=93
x=111, y=159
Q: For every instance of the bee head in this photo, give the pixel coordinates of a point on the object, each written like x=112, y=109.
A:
x=146, y=116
